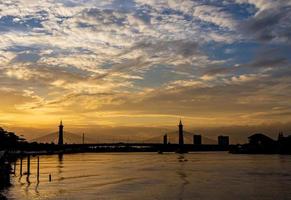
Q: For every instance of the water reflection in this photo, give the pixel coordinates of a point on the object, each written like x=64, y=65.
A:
x=27, y=180
x=152, y=176
x=61, y=156
x=182, y=175
x=60, y=166
x=27, y=185
x=36, y=188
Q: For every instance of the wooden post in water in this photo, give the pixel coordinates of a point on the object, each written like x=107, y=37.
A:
x=37, y=172
x=20, y=172
x=50, y=177
x=28, y=165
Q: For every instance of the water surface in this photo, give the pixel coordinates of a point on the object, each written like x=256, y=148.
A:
x=141, y=176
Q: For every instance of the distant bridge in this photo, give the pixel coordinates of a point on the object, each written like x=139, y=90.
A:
x=75, y=143
x=74, y=138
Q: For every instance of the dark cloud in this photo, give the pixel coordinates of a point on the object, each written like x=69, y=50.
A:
x=270, y=57
x=270, y=25
x=183, y=48
x=269, y=62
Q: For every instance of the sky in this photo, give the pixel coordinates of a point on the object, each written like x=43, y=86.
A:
x=139, y=63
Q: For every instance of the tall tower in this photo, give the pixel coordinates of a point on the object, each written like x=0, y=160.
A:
x=181, y=134
x=61, y=133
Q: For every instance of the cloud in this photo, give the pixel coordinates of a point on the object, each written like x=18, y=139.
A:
x=270, y=58
x=155, y=58
x=215, y=15
x=22, y=73
x=271, y=24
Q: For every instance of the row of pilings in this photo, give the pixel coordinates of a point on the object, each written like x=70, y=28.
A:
x=8, y=165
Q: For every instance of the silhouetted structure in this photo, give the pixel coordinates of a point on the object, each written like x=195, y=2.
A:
x=15, y=145
x=262, y=144
x=61, y=134
x=284, y=144
x=261, y=139
x=223, y=140
x=9, y=140
x=181, y=134
x=165, y=139
x=181, y=147
x=197, y=139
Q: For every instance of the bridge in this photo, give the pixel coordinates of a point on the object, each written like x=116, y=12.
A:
x=76, y=143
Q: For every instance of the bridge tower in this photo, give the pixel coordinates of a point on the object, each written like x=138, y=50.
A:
x=181, y=134
x=61, y=134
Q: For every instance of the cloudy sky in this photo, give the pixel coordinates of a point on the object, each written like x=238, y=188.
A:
x=144, y=63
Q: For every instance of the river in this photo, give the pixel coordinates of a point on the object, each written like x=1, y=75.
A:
x=146, y=176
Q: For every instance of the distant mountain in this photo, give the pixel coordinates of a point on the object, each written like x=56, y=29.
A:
x=69, y=138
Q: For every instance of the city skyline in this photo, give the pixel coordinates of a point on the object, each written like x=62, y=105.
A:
x=144, y=64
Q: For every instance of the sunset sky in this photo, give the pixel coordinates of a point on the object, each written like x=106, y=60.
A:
x=144, y=63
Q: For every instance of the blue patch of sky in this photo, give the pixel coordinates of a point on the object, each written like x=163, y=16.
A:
x=75, y=70
x=20, y=48
x=85, y=25
x=237, y=52
x=26, y=57
x=188, y=17
x=286, y=51
x=170, y=11
x=107, y=65
x=123, y=6
x=76, y=3
x=12, y=23
x=143, y=14
x=241, y=11
x=208, y=26
x=72, y=3
x=238, y=11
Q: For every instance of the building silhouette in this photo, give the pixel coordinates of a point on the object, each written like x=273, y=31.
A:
x=181, y=134
x=223, y=140
x=61, y=134
x=261, y=139
x=260, y=143
x=197, y=139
